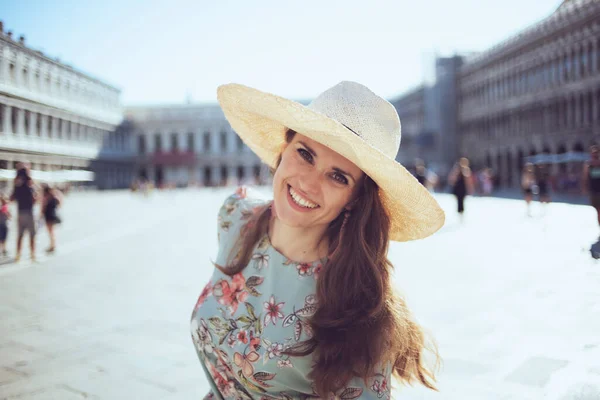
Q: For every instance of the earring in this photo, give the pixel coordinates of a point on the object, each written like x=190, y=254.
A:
x=346, y=216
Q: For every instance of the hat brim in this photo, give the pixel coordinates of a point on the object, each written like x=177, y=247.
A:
x=261, y=120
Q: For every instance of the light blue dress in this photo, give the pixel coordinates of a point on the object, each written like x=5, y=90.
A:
x=241, y=324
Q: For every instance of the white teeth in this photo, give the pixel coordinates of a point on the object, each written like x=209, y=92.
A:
x=301, y=201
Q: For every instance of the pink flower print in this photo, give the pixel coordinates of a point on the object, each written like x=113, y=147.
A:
x=231, y=340
x=254, y=342
x=273, y=311
x=275, y=350
x=201, y=336
x=242, y=337
x=233, y=294
x=241, y=192
x=245, y=362
x=304, y=269
x=380, y=388
x=207, y=291
x=284, y=363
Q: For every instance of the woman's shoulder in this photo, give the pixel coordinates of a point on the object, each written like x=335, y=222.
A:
x=240, y=206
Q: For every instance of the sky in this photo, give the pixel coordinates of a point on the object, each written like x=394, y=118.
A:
x=163, y=52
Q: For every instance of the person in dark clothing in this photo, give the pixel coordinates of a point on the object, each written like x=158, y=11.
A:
x=25, y=196
x=543, y=182
x=591, y=179
x=528, y=184
x=50, y=202
x=461, y=181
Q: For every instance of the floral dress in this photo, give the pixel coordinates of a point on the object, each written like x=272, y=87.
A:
x=242, y=324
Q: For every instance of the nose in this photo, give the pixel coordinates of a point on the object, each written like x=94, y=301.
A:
x=310, y=182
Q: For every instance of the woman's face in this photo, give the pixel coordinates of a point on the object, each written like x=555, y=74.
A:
x=313, y=184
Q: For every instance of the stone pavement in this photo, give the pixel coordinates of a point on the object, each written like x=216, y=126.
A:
x=513, y=302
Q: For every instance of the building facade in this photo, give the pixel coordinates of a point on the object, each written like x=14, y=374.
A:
x=191, y=144
x=428, y=117
x=51, y=115
x=537, y=92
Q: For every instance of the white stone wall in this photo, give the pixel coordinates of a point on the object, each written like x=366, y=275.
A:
x=28, y=74
x=203, y=121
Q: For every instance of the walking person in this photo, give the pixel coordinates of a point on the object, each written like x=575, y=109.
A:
x=461, y=182
x=25, y=196
x=300, y=304
x=50, y=202
x=591, y=179
x=5, y=216
x=542, y=178
x=528, y=184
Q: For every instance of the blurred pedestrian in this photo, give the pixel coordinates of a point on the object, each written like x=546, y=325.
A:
x=25, y=196
x=487, y=182
x=50, y=202
x=4, y=218
x=421, y=172
x=542, y=178
x=528, y=185
x=591, y=179
x=461, y=181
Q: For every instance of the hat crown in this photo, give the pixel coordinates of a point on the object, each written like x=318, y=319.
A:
x=369, y=116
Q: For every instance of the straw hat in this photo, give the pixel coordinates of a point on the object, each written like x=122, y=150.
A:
x=351, y=120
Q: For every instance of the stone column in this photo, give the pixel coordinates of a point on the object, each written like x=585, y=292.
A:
x=3, y=64
x=249, y=174
x=53, y=127
x=32, y=123
x=216, y=174
x=232, y=174
x=20, y=130
x=215, y=144
x=44, y=125
x=63, y=129
x=6, y=119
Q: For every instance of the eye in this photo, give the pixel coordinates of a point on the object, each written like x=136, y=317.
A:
x=306, y=155
x=340, y=178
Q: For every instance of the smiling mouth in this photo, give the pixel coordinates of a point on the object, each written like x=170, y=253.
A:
x=301, y=201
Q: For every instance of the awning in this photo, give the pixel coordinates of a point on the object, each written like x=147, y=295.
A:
x=562, y=158
x=60, y=176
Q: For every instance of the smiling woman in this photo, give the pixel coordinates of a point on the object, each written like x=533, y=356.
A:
x=310, y=267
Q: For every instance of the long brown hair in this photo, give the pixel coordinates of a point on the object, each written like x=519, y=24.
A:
x=360, y=323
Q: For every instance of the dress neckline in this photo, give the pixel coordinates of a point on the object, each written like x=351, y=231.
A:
x=288, y=260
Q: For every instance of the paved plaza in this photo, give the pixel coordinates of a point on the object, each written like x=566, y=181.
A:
x=513, y=302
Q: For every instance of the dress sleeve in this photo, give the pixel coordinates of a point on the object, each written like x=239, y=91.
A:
x=233, y=215
x=378, y=386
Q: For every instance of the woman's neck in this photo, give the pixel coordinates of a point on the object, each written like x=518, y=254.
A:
x=298, y=244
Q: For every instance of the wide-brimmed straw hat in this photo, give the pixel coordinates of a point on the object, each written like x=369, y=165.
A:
x=354, y=122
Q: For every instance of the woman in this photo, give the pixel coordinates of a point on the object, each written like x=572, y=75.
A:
x=301, y=304
x=50, y=202
x=461, y=181
x=528, y=185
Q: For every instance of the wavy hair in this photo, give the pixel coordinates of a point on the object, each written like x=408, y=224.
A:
x=360, y=323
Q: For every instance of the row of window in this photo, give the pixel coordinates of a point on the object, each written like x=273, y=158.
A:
x=563, y=114
x=56, y=127
x=58, y=87
x=576, y=64
x=174, y=144
x=7, y=164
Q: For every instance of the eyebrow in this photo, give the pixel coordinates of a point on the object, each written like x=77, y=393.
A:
x=336, y=169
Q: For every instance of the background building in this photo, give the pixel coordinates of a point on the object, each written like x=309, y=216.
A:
x=51, y=115
x=428, y=118
x=191, y=144
x=537, y=92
